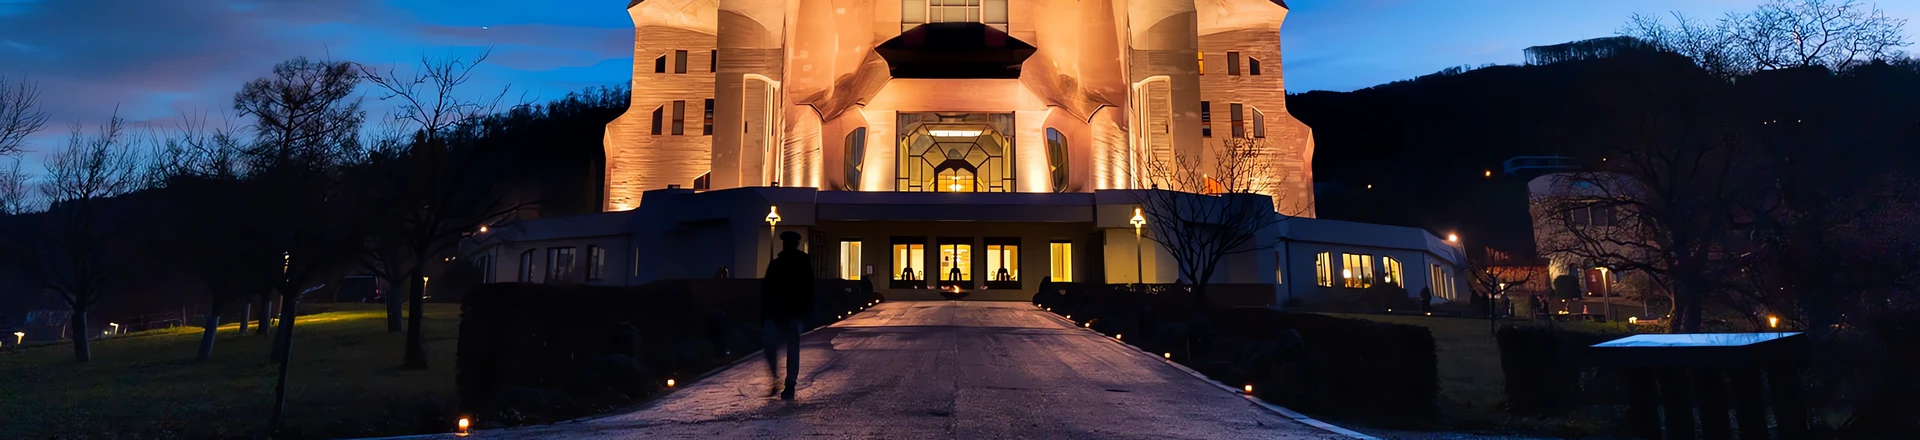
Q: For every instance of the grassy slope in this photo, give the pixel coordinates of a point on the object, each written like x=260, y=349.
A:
x=343, y=381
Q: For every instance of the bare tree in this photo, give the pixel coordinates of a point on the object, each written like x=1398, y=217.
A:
x=1492, y=274
x=1203, y=209
x=77, y=243
x=443, y=192
x=1780, y=34
x=16, y=194
x=20, y=114
x=219, y=240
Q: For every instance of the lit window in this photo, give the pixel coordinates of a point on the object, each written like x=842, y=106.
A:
x=679, y=118
x=596, y=263
x=658, y=116
x=1323, y=269
x=1357, y=270
x=849, y=259
x=1057, y=159
x=1062, y=264
x=526, y=266
x=1438, y=278
x=559, y=264
x=993, y=13
x=1253, y=66
x=1391, y=271
x=1201, y=59
x=1003, y=263
x=1233, y=63
x=706, y=126
x=660, y=64
x=956, y=262
x=1236, y=115
x=1259, y=124
x=909, y=254
x=856, y=157
x=1206, y=119
x=679, y=61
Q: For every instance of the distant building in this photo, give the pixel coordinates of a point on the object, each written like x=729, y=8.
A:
x=983, y=145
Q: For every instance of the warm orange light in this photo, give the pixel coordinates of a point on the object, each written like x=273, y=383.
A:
x=1248, y=389
x=483, y=229
x=1773, y=322
x=670, y=383
x=1168, y=355
x=464, y=424
x=1489, y=173
x=1116, y=336
x=1453, y=238
x=1633, y=320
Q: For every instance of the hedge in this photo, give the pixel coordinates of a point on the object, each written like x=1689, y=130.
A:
x=1550, y=371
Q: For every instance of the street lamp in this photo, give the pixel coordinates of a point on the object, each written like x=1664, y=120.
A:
x=1139, y=268
x=18, y=337
x=773, y=218
x=116, y=328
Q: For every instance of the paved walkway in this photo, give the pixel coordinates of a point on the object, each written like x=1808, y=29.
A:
x=925, y=370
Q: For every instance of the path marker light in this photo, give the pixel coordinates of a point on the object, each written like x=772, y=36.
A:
x=1116, y=336
x=670, y=383
x=1453, y=238
x=1247, y=389
x=1633, y=320
x=1168, y=355
x=1773, y=321
x=463, y=429
x=483, y=229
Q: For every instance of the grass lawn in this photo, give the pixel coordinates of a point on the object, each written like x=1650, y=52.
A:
x=343, y=381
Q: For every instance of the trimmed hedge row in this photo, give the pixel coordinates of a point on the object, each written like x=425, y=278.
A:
x=1551, y=371
x=537, y=353
x=1305, y=361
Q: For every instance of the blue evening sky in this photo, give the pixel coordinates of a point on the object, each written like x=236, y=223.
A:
x=155, y=60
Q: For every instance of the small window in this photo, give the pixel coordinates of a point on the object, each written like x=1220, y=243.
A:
x=559, y=264
x=526, y=266
x=909, y=257
x=658, y=114
x=1057, y=159
x=1259, y=124
x=679, y=118
x=856, y=157
x=1206, y=119
x=706, y=125
x=660, y=64
x=1357, y=270
x=679, y=61
x=713, y=61
x=1003, y=263
x=1390, y=272
x=956, y=261
x=1236, y=114
x=1061, y=268
x=596, y=263
x=850, y=259
x=1253, y=66
x=1201, y=59
x=1323, y=269
x=1233, y=64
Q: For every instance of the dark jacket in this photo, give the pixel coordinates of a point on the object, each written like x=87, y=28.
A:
x=787, y=291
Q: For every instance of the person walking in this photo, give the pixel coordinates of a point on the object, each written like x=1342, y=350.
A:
x=786, y=300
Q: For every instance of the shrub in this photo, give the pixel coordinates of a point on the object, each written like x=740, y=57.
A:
x=1550, y=371
x=1355, y=366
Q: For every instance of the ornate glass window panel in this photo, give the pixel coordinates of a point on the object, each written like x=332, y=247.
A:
x=1057, y=159
x=954, y=153
x=856, y=156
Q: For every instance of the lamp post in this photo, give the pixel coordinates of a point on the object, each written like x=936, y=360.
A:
x=773, y=219
x=116, y=328
x=18, y=337
x=1139, y=271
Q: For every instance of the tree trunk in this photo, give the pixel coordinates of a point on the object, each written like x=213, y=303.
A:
x=416, y=346
x=266, y=314
x=283, y=336
x=394, y=300
x=245, y=317
x=82, y=349
x=207, y=336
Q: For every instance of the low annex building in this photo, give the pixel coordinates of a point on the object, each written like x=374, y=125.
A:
x=979, y=144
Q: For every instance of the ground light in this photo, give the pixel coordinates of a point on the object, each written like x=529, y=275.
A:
x=1168, y=355
x=1116, y=336
x=1633, y=320
x=1248, y=388
x=670, y=383
x=464, y=425
x=1773, y=322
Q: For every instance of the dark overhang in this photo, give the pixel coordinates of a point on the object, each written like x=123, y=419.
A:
x=955, y=50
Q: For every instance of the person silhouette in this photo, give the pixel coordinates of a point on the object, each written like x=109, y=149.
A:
x=1003, y=275
x=786, y=300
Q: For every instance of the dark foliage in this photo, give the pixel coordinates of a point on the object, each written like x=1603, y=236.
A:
x=1550, y=371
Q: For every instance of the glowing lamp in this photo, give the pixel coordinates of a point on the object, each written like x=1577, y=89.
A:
x=464, y=427
x=1454, y=238
x=773, y=215
x=1116, y=336
x=1069, y=317
x=1248, y=388
x=1089, y=324
x=670, y=383
x=1429, y=313
x=19, y=336
x=1489, y=173
x=1346, y=273
x=954, y=133
x=1168, y=355
x=1773, y=322
x=483, y=229
x=1633, y=320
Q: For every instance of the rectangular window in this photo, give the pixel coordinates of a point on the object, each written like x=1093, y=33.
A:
x=679, y=61
x=1201, y=59
x=1323, y=269
x=660, y=64
x=1259, y=124
x=956, y=261
x=1602, y=215
x=1003, y=263
x=1253, y=66
x=1279, y=270
x=1357, y=270
x=679, y=118
x=850, y=259
x=658, y=114
x=1390, y=269
x=1233, y=64
x=1062, y=265
x=1236, y=115
x=909, y=256
x=559, y=264
x=1206, y=119
x=713, y=62
x=596, y=263
x=526, y=266
x=1578, y=216
x=706, y=125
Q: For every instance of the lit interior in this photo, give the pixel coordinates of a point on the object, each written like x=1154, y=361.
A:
x=1062, y=265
